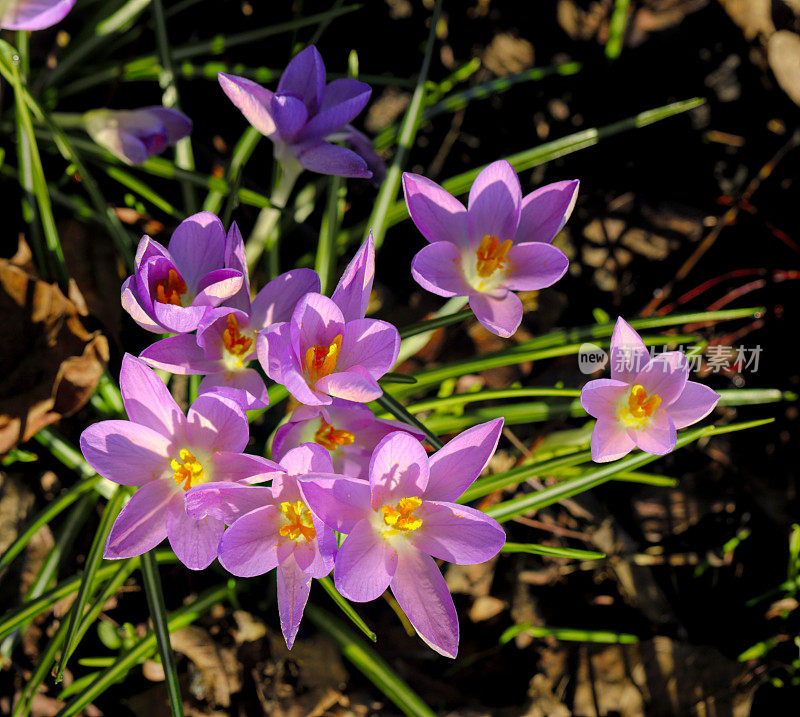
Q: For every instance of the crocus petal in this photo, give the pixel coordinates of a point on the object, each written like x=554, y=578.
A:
x=252, y=99
x=272, y=347
x=628, y=354
x=355, y=384
x=250, y=546
x=226, y=501
x=610, y=440
x=363, y=147
x=195, y=542
x=695, y=402
x=371, y=344
x=458, y=534
x=316, y=321
x=296, y=384
x=147, y=400
x=398, y=469
x=142, y=522
x=236, y=259
x=245, y=386
x=179, y=354
x=501, y=316
x=422, y=592
x=304, y=76
x=601, y=398
x=243, y=467
x=131, y=304
x=147, y=248
x=365, y=564
x=327, y=158
x=665, y=376
x=33, y=14
x=437, y=268
x=217, y=423
x=658, y=436
x=352, y=292
x=342, y=100
x=545, y=212
x=217, y=286
x=293, y=589
x=308, y=458
x=126, y=452
x=176, y=124
x=494, y=203
x=454, y=467
x=277, y=300
x=178, y=319
x=290, y=115
x=338, y=501
x=438, y=215
x=535, y=266
x=198, y=246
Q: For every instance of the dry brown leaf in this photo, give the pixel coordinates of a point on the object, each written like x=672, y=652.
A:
x=217, y=666
x=51, y=364
x=507, y=54
x=754, y=17
x=783, y=53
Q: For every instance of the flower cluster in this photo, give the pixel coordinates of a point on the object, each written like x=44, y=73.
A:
x=344, y=490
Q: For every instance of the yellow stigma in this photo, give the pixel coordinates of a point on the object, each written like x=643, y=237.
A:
x=187, y=471
x=331, y=438
x=298, y=526
x=401, y=516
x=321, y=360
x=235, y=343
x=640, y=404
x=491, y=255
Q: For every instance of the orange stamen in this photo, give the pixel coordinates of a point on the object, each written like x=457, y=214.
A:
x=321, y=360
x=331, y=438
x=299, y=525
x=187, y=471
x=235, y=343
x=170, y=290
x=640, y=404
x=491, y=255
x=401, y=516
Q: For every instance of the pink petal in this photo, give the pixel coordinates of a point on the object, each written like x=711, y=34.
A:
x=218, y=286
x=225, y=501
x=141, y=524
x=148, y=401
x=131, y=304
x=455, y=467
x=354, y=384
x=250, y=546
x=179, y=354
x=458, y=534
x=439, y=216
x=195, y=542
x=658, y=436
x=308, y=458
x=217, y=423
x=665, y=376
x=126, y=452
x=316, y=321
x=437, y=268
x=252, y=99
x=278, y=299
x=371, y=344
x=610, y=440
x=365, y=564
x=272, y=346
x=535, y=266
x=236, y=259
x=33, y=15
x=243, y=467
x=338, y=501
x=494, y=203
x=198, y=246
x=545, y=211
x=293, y=589
x=296, y=384
x=501, y=316
x=353, y=290
x=398, y=469
x=245, y=387
x=695, y=403
x=601, y=398
x=628, y=353
x=422, y=592
x=178, y=319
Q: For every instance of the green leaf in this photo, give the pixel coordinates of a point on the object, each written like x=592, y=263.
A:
x=393, y=406
x=345, y=606
x=616, y=29
x=551, y=551
x=325, y=261
x=372, y=665
x=568, y=634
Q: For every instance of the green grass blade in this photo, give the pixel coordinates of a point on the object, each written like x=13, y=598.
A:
x=126, y=179
x=435, y=323
x=344, y=605
x=616, y=29
x=158, y=615
x=569, y=634
x=241, y=154
x=393, y=406
x=325, y=261
x=183, y=616
x=93, y=560
x=370, y=663
x=551, y=551
x=408, y=131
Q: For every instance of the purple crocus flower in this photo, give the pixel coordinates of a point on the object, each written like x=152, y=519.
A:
x=644, y=401
x=225, y=343
x=272, y=527
x=328, y=349
x=32, y=14
x=135, y=135
x=166, y=454
x=349, y=431
x=304, y=115
x=499, y=245
x=406, y=516
x=171, y=290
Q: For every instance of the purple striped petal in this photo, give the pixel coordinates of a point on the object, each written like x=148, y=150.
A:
x=272, y=346
x=198, y=247
x=142, y=522
x=316, y=321
x=628, y=354
x=665, y=376
x=601, y=398
x=252, y=99
x=494, y=204
x=217, y=286
x=398, y=469
x=455, y=467
x=658, y=436
x=437, y=268
x=195, y=542
x=354, y=384
x=501, y=316
x=244, y=467
x=535, y=266
x=179, y=354
x=338, y=501
x=610, y=440
x=148, y=401
x=352, y=292
x=308, y=458
x=217, y=423
x=371, y=344
x=225, y=501
x=695, y=402
x=293, y=589
x=178, y=319
x=131, y=304
x=327, y=158
x=33, y=14
x=250, y=546
x=245, y=386
x=422, y=592
x=438, y=215
x=545, y=212
x=365, y=564
x=458, y=534
x=278, y=299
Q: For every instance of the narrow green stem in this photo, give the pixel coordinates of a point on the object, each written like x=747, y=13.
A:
x=398, y=410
